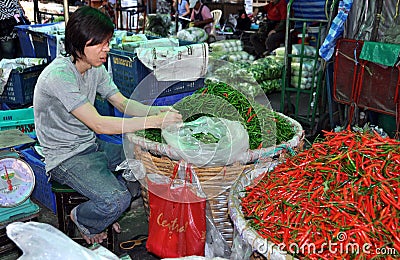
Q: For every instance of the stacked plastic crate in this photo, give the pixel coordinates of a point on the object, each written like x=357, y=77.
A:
x=41, y=40
x=138, y=82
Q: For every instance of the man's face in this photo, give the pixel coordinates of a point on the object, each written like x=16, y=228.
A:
x=96, y=55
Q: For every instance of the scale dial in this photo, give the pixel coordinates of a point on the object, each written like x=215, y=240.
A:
x=17, y=181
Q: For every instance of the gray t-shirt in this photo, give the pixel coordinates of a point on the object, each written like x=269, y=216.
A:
x=59, y=90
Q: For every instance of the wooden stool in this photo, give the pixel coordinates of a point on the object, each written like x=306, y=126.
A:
x=67, y=199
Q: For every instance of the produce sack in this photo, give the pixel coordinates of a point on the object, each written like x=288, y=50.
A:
x=208, y=141
x=192, y=34
x=177, y=221
x=163, y=42
x=183, y=63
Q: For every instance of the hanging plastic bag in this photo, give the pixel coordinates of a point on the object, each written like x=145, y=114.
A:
x=209, y=141
x=177, y=221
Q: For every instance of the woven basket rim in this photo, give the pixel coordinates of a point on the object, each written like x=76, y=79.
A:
x=251, y=155
x=261, y=245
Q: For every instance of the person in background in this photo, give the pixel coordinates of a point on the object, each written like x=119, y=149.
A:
x=183, y=11
x=108, y=8
x=67, y=123
x=243, y=21
x=201, y=16
x=271, y=34
x=11, y=14
x=183, y=8
x=79, y=3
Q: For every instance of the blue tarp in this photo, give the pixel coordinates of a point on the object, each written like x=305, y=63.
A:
x=336, y=30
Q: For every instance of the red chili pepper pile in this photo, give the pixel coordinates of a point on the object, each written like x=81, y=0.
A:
x=343, y=190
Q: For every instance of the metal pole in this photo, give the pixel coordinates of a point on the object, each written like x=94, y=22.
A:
x=176, y=17
x=377, y=20
x=66, y=11
x=36, y=16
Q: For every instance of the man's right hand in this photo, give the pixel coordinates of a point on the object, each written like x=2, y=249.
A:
x=170, y=118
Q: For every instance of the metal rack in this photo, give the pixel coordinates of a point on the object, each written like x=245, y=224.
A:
x=129, y=18
x=294, y=93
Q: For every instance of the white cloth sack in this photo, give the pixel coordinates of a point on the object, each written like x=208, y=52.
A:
x=183, y=63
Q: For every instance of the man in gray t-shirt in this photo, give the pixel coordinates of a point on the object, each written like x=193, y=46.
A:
x=61, y=89
x=67, y=123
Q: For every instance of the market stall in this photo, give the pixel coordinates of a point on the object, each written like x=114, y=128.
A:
x=251, y=180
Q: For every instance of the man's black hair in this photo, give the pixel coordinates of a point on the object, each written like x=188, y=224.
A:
x=86, y=24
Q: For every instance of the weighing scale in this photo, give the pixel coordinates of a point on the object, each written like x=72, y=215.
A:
x=17, y=182
x=17, y=179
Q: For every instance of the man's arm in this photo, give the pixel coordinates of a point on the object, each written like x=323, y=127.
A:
x=134, y=108
x=143, y=116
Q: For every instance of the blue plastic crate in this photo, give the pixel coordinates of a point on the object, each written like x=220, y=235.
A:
x=25, y=41
x=40, y=45
x=103, y=106
x=42, y=192
x=167, y=100
x=127, y=70
x=20, y=85
x=151, y=88
x=27, y=46
x=53, y=44
x=45, y=45
x=115, y=139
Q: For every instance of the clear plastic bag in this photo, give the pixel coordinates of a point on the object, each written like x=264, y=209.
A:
x=209, y=141
x=41, y=241
x=133, y=169
x=216, y=245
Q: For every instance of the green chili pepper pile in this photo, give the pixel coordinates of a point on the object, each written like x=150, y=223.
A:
x=206, y=138
x=264, y=126
x=344, y=192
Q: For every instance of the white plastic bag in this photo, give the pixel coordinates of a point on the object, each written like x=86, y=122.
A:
x=133, y=169
x=41, y=241
x=232, y=141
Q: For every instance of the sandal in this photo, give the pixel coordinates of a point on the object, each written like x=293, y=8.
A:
x=132, y=243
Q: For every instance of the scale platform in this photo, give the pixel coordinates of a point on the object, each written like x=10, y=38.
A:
x=26, y=209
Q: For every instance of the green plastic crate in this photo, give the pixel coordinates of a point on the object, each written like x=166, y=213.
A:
x=21, y=119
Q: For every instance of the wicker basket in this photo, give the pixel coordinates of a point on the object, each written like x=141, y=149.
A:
x=262, y=248
x=215, y=182
x=249, y=157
